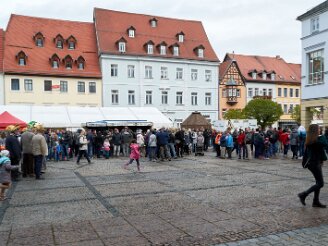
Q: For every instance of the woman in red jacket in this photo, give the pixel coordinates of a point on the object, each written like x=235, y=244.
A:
x=285, y=141
x=241, y=140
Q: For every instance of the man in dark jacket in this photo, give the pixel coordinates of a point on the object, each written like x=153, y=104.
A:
x=117, y=141
x=163, y=141
x=13, y=146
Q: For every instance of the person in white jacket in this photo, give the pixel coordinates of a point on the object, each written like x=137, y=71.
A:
x=83, y=149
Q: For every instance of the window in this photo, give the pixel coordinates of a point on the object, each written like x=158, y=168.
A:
x=179, y=73
x=238, y=92
x=153, y=22
x=291, y=108
x=285, y=92
x=71, y=45
x=164, y=73
x=131, y=97
x=15, y=84
x=291, y=92
x=28, y=85
x=315, y=24
x=39, y=42
x=316, y=67
x=121, y=47
x=149, y=97
x=200, y=53
x=131, y=33
x=297, y=93
x=224, y=93
x=63, y=86
x=163, y=50
x=150, y=49
x=264, y=75
x=179, y=98
x=22, y=57
x=164, y=97
x=285, y=108
x=250, y=92
x=264, y=92
x=130, y=71
x=114, y=96
x=270, y=93
x=59, y=44
x=208, y=75
x=253, y=75
x=80, y=63
x=181, y=38
x=148, y=72
x=55, y=64
x=176, y=50
x=21, y=61
x=193, y=98
x=113, y=70
x=92, y=87
x=273, y=76
x=208, y=98
x=47, y=85
x=80, y=87
x=193, y=74
x=68, y=62
x=279, y=92
x=256, y=91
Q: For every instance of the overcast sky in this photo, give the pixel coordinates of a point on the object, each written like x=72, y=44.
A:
x=252, y=27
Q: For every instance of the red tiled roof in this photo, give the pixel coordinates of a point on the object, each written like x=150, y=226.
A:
x=285, y=72
x=224, y=67
x=113, y=25
x=2, y=37
x=19, y=37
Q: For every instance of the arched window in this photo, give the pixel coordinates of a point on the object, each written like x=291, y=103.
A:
x=68, y=61
x=59, y=41
x=80, y=63
x=153, y=22
x=71, y=41
x=39, y=39
x=21, y=58
x=54, y=60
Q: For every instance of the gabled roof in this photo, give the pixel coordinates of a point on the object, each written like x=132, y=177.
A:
x=2, y=38
x=19, y=36
x=196, y=120
x=317, y=9
x=285, y=72
x=112, y=25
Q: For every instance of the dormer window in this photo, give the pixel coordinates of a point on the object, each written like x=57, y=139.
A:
x=121, y=43
x=264, y=75
x=149, y=46
x=273, y=76
x=54, y=61
x=200, y=51
x=131, y=32
x=21, y=57
x=59, y=41
x=38, y=38
x=254, y=73
x=162, y=48
x=71, y=42
x=153, y=22
x=175, y=49
x=80, y=63
x=180, y=37
x=68, y=61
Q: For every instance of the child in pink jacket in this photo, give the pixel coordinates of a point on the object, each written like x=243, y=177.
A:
x=135, y=155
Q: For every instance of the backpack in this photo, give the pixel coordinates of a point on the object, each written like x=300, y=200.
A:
x=223, y=140
x=79, y=143
x=248, y=138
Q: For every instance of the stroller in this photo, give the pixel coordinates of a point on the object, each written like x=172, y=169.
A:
x=199, y=150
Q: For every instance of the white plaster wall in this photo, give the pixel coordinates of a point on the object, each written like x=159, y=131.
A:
x=261, y=86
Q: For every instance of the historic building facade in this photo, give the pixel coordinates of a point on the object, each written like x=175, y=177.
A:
x=263, y=76
x=51, y=62
x=149, y=61
x=314, y=71
x=2, y=94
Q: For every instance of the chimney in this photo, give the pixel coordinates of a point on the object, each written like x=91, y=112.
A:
x=278, y=57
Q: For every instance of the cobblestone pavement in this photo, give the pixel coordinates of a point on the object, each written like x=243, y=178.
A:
x=191, y=201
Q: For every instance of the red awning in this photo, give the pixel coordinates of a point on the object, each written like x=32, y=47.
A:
x=7, y=119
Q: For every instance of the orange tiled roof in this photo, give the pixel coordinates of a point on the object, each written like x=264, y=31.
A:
x=2, y=37
x=112, y=25
x=285, y=72
x=19, y=37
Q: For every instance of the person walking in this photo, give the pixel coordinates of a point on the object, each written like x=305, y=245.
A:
x=126, y=140
x=294, y=142
x=39, y=149
x=315, y=145
x=117, y=141
x=14, y=148
x=134, y=155
x=83, y=150
x=5, y=169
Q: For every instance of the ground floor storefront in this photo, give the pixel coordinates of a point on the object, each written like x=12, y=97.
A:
x=314, y=111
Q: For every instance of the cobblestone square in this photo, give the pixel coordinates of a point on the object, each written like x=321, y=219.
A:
x=189, y=201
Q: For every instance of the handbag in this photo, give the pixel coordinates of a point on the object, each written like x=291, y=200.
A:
x=306, y=158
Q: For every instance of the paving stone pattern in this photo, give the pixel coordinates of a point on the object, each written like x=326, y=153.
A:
x=189, y=201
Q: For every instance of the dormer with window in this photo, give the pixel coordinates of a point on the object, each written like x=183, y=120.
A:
x=39, y=39
x=131, y=32
x=153, y=22
x=180, y=37
x=59, y=41
x=21, y=58
x=175, y=49
x=71, y=42
x=80, y=63
x=264, y=75
x=162, y=48
x=149, y=46
x=272, y=75
x=253, y=74
x=54, y=60
x=121, y=45
x=68, y=61
x=199, y=50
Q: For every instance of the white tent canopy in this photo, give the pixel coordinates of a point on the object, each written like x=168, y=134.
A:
x=74, y=116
